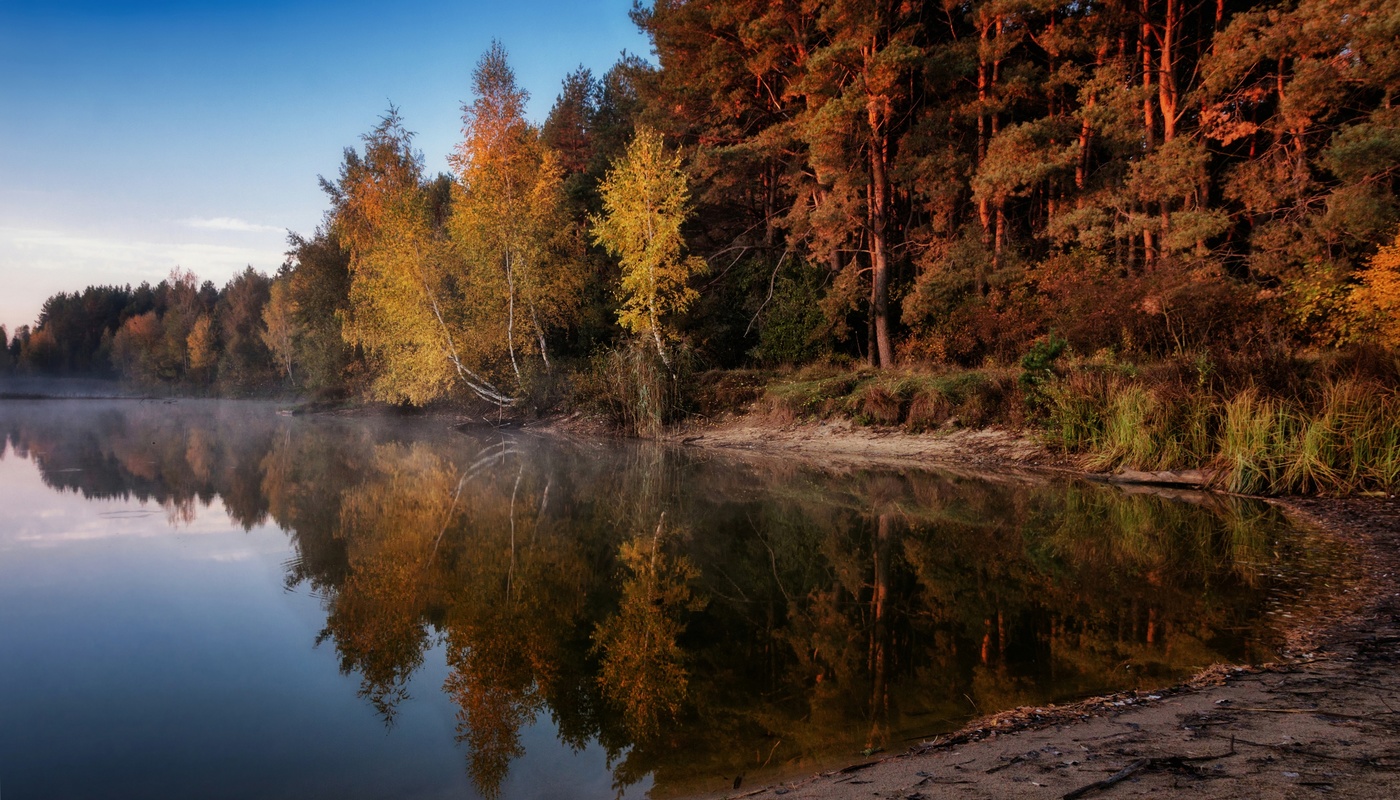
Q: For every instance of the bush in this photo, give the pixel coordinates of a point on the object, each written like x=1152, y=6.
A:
x=635, y=390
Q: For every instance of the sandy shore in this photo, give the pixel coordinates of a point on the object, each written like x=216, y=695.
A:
x=1323, y=719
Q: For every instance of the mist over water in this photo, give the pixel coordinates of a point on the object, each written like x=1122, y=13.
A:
x=212, y=599
x=35, y=387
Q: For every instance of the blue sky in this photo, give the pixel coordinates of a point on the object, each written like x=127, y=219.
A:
x=138, y=136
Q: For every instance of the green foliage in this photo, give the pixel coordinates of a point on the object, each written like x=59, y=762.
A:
x=318, y=276
x=793, y=326
x=1037, y=367
x=245, y=362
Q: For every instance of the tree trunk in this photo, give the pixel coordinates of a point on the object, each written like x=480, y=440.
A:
x=879, y=256
x=510, y=318
x=1149, y=247
x=1167, y=96
x=879, y=646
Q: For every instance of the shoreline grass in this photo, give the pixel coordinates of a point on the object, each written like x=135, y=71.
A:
x=1264, y=428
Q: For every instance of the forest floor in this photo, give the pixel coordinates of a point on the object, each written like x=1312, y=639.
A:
x=1323, y=719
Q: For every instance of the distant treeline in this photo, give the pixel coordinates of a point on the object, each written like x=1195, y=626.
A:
x=177, y=333
x=890, y=182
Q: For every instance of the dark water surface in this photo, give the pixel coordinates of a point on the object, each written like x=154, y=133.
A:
x=212, y=600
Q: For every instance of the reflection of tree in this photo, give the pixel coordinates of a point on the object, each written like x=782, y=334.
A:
x=843, y=612
x=179, y=455
x=487, y=684
x=390, y=523
x=519, y=587
x=643, y=670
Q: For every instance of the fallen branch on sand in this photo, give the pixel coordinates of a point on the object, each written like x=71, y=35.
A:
x=1138, y=766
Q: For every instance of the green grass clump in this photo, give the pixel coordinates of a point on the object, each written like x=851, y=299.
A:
x=1249, y=444
x=1345, y=439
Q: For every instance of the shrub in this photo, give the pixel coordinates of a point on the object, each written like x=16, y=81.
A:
x=633, y=388
x=878, y=406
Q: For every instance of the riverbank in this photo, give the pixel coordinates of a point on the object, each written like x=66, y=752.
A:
x=1325, y=717
x=1321, y=718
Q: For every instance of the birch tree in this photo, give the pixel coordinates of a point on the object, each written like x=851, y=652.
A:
x=645, y=201
x=405, y=304
x=279, y=326
x=522, y=271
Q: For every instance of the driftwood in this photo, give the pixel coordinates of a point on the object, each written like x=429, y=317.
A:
x=1138, y=766
x=1117, y=777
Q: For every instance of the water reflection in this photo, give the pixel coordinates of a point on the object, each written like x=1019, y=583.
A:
x=699, y=619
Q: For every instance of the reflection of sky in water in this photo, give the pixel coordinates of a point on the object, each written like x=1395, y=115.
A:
x=144, y=660
x=788, y=619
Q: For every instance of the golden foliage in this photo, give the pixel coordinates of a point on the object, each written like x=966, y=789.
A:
x=1376, y=302
x=201, y=344
x=643, y=668
x=645, y=199
x=279, y=326
x=397, y=298
x=522, y=274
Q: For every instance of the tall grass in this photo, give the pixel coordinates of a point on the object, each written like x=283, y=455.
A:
x=633, y=388
x=1344, y=439
x=913, y=400
x=1121, y=423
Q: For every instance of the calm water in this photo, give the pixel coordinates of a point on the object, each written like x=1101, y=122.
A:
x=211, y=600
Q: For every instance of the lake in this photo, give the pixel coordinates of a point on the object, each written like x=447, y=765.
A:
x=210, y=599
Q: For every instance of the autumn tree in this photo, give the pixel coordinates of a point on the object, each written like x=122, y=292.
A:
x=400, y=308
x=1376, y=301
x=522, y=268
x=203, y=346
x=136, y=349
x=278, y=333
x=644, y=204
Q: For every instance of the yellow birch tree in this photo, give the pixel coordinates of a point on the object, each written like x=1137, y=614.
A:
x=279, y=325
x=645, y=198
x=405, y=304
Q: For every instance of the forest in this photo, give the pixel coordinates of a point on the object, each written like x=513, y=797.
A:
x=1023, y=188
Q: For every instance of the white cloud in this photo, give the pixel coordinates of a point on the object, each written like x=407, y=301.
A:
x=229, y=224
x=49, y=249
x=36, y=262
